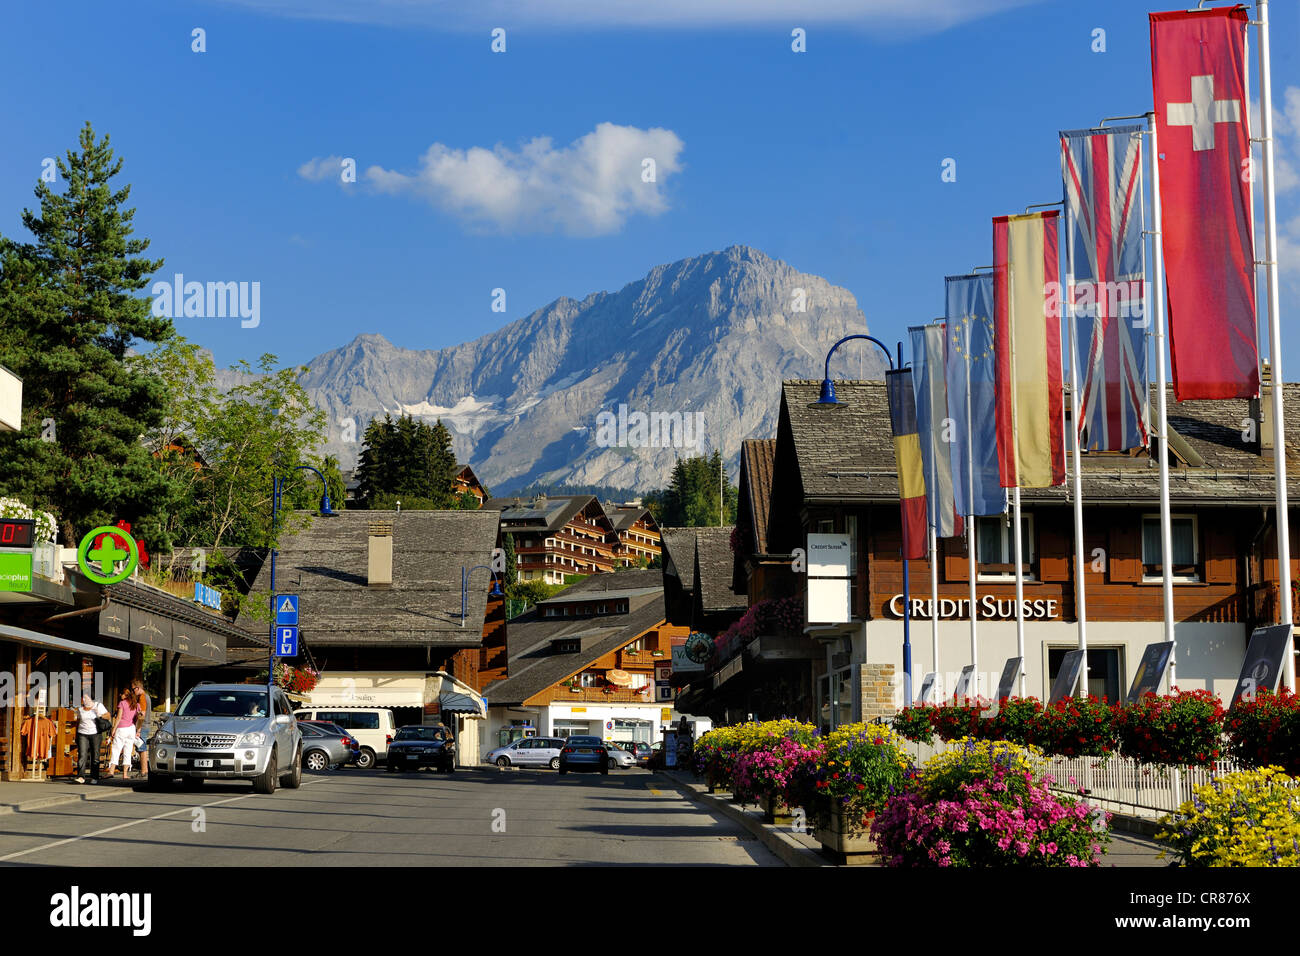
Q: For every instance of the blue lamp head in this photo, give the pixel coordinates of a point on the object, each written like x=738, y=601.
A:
x=325, y=510
x=827, y=398
x=496, y=588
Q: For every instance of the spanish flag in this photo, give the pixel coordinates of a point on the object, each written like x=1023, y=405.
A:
x=907, y=455
x=1027, y=348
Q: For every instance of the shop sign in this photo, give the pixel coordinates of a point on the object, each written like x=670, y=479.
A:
x=15, y=571
x=991, y=608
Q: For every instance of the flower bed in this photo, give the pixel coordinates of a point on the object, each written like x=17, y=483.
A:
x=1251, y=818
x=856, y=769
x=717, y=752
x=983, y=804
x=1185, y=727
x=1265, y=731
x=1077, y=727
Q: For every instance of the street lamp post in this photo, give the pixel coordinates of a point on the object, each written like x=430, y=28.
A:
x=828, y=399
x=277, y=489
x=465, y=574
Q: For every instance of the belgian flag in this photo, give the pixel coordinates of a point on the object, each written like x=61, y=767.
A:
x=907, y=455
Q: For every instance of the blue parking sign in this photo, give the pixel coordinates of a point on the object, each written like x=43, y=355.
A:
x=286, y=642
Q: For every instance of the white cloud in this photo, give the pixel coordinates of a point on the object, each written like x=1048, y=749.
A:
x=319, y=170
x=587, y=188
x=1286, y=156
x=883, y=16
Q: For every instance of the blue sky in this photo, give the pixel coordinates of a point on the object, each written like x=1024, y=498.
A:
x=469, y=161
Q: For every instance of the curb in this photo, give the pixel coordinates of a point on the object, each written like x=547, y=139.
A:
x=787, y=849
x=40, y=803
x=1142, y=826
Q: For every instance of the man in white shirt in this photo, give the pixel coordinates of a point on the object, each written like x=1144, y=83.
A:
x=88, y=737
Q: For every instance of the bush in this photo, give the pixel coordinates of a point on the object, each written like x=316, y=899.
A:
x=1185, y=727
x=1077, y=727
x=984, y=805
x=717, y=751
x=1266, y=731
x=1251, y=818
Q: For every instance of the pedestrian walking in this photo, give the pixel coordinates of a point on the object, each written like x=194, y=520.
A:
x=92, y=721
x=123, y=733
x=143, y=707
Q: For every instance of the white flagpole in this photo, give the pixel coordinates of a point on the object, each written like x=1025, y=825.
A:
x=1275, y=341
x=1080, y=599
x=970, y=527
x=934, y=604
x=1158, y=281
x=1020, y=591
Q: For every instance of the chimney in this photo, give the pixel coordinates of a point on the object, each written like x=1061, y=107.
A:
x=379, y=567
x=1261, y=410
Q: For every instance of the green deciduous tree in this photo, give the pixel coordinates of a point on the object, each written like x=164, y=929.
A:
x=223, y=448
x=69, y=312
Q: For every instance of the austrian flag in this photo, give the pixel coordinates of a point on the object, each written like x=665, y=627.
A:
x=1198, y=68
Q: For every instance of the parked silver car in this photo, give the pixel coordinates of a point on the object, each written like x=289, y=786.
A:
x=529, y=752
x=236, y=731
x=618, y=757
x=325, y=746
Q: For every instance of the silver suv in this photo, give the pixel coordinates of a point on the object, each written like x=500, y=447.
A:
x=227, y=731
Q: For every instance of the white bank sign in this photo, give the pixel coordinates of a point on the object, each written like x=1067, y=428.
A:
x=990, y=608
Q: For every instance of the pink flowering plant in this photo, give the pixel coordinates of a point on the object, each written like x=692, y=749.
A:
x=984, y=805
x=767, y=773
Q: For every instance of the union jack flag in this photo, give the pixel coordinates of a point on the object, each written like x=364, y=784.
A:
x=1106, y=283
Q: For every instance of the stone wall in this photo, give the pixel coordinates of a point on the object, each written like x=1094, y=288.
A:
x=876, y=691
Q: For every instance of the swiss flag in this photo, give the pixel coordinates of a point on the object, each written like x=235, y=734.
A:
x=1198, y=69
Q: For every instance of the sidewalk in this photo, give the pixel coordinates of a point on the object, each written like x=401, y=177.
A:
x=1127, y=847
x=19, y=796
x=793, y=849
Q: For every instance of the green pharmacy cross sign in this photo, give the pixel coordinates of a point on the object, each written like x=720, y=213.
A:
x=98, y=563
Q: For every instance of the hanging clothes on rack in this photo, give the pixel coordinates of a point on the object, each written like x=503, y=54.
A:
x=37, y=734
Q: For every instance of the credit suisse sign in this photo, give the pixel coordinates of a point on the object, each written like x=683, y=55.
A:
x=990, y=608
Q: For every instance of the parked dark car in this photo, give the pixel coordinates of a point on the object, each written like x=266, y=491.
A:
x=584, y=753
x=326, y=745
x=422, y=745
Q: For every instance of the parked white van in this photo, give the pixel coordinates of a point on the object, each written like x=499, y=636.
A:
x=372, y=726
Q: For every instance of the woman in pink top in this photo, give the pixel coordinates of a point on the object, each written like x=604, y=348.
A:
x=123, y=733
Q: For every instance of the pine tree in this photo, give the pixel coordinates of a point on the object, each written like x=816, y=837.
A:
x=68, y=314
x=406, y=460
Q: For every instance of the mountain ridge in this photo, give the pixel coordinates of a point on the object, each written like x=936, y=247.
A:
x=713, y=334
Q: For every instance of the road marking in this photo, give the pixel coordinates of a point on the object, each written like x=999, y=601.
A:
x=132, y=823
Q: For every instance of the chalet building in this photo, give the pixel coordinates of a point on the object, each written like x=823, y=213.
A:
x=556, y=537
x=63, y=635
x=763, y=666
x=466, y=482
x=383, y=614
x=638, y=535
x=834, y=472
x=697, y=579
x=586, y=662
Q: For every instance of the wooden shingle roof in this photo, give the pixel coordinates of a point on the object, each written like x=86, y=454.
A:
x=847, y=454
x=327, y=564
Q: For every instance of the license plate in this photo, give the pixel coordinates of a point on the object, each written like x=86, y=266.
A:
x=201, y=764
x=581, y=751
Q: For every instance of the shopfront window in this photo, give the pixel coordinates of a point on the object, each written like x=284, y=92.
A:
x=1104, y=663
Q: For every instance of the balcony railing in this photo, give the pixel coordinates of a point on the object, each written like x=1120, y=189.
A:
x=605, y=695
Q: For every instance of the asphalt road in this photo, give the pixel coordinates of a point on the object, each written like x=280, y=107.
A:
x=350, y=817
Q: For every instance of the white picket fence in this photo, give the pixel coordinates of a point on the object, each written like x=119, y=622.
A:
x=1119, y=784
